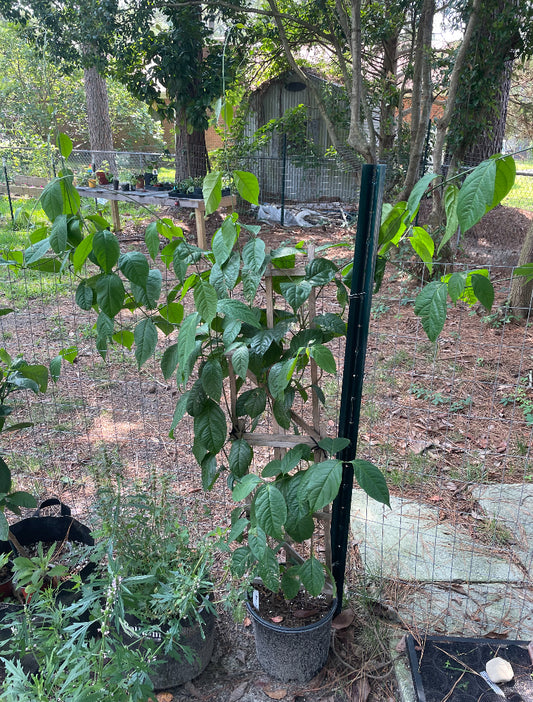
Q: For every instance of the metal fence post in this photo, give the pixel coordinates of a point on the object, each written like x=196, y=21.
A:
x=283, y=173
x=364, y=260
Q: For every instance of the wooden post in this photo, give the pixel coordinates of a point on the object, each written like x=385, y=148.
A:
x=116, y=216
x=201, y=236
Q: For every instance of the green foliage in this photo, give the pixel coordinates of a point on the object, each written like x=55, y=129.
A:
x=36, y=98
x=483, y=189
x=220, y=328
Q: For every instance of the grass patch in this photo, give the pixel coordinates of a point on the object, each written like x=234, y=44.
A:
x=521, y=194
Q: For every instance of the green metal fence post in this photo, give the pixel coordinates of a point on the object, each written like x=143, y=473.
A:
x=364, y=260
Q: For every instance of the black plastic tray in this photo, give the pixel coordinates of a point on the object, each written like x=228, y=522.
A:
x=438, y=674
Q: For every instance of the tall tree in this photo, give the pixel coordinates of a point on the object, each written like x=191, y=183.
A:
x=78, y=33
x=167, y=56
x=477, y=124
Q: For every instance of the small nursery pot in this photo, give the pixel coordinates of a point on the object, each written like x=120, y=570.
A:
x=292, y=653
x=168, y=671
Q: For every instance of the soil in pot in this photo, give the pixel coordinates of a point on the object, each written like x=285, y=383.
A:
x=292, y=638
x=170, y=671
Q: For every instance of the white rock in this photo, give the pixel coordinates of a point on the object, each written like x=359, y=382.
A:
x=499, y=671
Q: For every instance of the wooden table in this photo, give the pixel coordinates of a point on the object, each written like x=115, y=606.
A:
x=152, y=197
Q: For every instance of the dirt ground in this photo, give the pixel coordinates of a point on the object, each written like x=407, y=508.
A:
x=436, y=418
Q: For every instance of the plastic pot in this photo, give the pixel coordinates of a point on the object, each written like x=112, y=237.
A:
x=168, y=671
x=292, y=654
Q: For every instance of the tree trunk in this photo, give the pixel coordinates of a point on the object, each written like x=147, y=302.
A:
x=490, y=141
x=421, y=97
x=98, y=120
x=191, y=151
x=521, y=296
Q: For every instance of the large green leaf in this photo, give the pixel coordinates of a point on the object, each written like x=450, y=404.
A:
x=245, y=486
x=430, y=305
x=253, y=255
x=145, y=334
x=505, y=178
x=64, y=144
x=135, y=267
x=424, y=246
x=268, y=570
x=290, y=582
x=148, y=294
x=247, y=186
x=212, y=378
x=311, y=574
x=371, y=480
x=210, y=427
x=151, y=239
x=456, y=285
x=321, y=483
x=125, y=338
x=70, y=196
x=240, y=358
x=258, y=542
x=198, y=399
x=323, y=357
x=110, y=294
x=208, y=466
x=417, y=192
x=483, y=290
x=82, y=251
x=393, y=226
x=51, y=199
x=251, y=403
x=85, y=296
x=240, y=457
x=240, y=561
x=231, y=269
x=476, y=195
x=320, y=271
x=59, y=234
x=212, y=191
x=224, y=240
x=187, y=342
x=205, y=301
x=281, y=414
x=36, y=372
x=270, y=510
x=36, y=251
x=450, y=205
x=235, y=309
x=296, y=293
x=106, y=249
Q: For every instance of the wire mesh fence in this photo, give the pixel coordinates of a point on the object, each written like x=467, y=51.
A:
x=450, y=423
x=286, y=179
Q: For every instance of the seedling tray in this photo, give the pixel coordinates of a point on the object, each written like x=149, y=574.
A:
x=441, y=668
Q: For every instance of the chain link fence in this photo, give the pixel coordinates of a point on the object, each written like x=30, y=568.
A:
x=285, y=180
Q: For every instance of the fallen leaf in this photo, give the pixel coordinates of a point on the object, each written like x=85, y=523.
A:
x=247, y=621
x=164, y=697
x=240, y=655
x=361, y=690
x=238, y=692
x=276, y=694
x=435, y=498
x=277, y=619
x=344, y=619
x=305, y=613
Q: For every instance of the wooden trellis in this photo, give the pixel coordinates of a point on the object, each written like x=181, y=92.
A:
x=278, y=438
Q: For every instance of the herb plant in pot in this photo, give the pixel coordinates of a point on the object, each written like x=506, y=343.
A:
x=167, y=591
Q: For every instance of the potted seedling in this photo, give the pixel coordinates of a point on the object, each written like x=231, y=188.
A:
x=104, y=175
x=166, y=582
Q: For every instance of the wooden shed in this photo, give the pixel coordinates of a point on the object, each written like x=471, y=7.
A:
x=306, y=179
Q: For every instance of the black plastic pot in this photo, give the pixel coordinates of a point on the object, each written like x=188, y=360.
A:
x=168, y=671
x=292, y=654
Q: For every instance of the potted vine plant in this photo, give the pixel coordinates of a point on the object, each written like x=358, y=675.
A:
x=166, y=607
